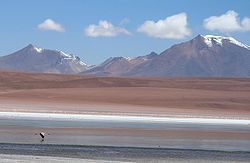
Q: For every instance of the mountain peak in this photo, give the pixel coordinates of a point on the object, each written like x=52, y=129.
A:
x=152, y=54
x=33, y=47
x=30, y=46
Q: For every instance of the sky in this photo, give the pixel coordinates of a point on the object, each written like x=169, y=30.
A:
x=95, y=30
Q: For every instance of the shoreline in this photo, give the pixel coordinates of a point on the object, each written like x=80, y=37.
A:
x=124, y=117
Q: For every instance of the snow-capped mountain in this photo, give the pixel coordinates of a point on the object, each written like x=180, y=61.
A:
x=202, y=56
x=34, y=59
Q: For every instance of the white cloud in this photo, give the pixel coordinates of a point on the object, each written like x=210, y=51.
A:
x=173, y=27
x=104, y=28
x=228, y=22
x=50, y=24
x=124, y=21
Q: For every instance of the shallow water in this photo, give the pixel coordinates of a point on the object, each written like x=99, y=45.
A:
x=11, y=132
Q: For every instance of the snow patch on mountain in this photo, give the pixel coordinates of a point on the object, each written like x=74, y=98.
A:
x=128, y=58
x=219, y=40
x=65, y=54
x=71, y=57
x=39, y=50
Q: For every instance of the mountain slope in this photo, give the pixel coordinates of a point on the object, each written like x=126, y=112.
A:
x=33, y=59
x=202, y=56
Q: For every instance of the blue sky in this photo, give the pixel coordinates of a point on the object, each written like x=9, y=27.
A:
x=73, y=25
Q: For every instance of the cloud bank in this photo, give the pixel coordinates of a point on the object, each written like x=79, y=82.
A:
x=173, y=27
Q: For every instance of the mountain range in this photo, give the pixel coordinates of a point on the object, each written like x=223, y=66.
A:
x=207, y=56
